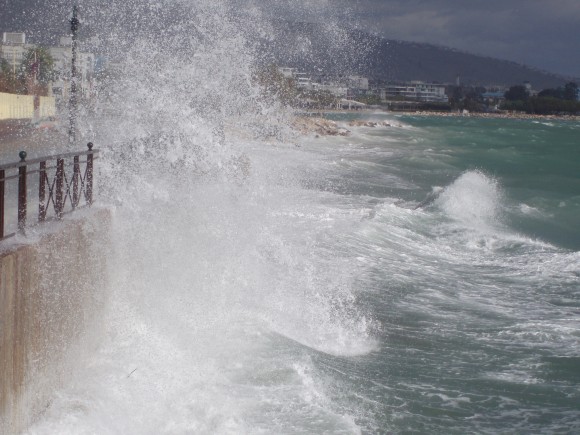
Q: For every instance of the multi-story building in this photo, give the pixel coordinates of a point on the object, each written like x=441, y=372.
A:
x=287, y=72
x=416, y=90
x=303, y=81
x=358, y=82
x=13, y=49
x=85, y=66
x=333, y=88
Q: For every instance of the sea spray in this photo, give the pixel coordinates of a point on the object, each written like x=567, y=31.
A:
x=474, y=199
x=219, y=259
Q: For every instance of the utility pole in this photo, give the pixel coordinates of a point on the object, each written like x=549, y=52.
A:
x=74, y=27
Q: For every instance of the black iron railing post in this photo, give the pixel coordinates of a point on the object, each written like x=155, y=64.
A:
x=22, y=202
x=59, y=194
x=75, y=182
x=42, y=192
x=2, y=191
x=89, y=181
x=74, y=27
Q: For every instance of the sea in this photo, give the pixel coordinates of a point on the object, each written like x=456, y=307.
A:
x=419, y=276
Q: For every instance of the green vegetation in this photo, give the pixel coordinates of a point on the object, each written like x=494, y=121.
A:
x=38, y=63
x=517, y=93
x=9, y=82
x=275, y=85
x=548, y=102
x=371, y=100
x=466, y=98
x=435, y=107
x=33, y=75
x=543, y=106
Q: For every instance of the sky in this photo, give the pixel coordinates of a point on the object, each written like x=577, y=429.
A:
x=540, y=33
x=544, y=34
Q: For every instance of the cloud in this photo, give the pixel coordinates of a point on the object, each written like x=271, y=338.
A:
x=539, y=33
x=536, y=32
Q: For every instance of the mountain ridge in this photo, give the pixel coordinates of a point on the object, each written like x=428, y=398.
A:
x=318, y=50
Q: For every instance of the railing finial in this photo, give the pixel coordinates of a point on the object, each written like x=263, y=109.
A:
x=22, y=155
x=90, y=146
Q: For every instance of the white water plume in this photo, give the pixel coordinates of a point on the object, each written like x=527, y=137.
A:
x=474, y=199
x=220, y=287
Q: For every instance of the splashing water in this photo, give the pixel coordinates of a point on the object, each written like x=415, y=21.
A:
x=474, y=199
x=223, y=276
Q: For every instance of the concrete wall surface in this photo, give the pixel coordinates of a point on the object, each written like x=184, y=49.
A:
x=47, y=107
x=14, y=106
x=52, y=292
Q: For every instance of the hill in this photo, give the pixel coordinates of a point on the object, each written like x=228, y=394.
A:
x=322, y=49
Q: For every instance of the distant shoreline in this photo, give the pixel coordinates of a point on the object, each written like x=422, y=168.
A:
x=502, y=115
x=491, y=115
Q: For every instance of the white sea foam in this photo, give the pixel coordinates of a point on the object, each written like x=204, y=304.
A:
x=224, y=275
x=474, y=200
x=236, y=267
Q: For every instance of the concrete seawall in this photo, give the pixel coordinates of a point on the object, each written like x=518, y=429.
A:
x=14, y=106
x=52, y=293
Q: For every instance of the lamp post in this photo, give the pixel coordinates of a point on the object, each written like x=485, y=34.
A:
x=74, y=27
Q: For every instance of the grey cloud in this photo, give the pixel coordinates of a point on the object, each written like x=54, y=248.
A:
x=536, y=32
x=539, y=33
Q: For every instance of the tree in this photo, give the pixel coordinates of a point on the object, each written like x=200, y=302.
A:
x=39, y=63
x=276, y=85
x=571, y=91
x=544, y=106
x=517, y=93
x=552, y=93
x=369, y=99
x=8, y=82
x=4, y=67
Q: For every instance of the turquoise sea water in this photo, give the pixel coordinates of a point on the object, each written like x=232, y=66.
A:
x=477, y=293
x=537, y=163
x=420, y=278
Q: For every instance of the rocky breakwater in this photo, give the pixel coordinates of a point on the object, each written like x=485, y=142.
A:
x=319, y=127
x=371, y=124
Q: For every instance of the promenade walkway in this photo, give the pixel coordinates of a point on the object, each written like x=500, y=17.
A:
x=40, y=139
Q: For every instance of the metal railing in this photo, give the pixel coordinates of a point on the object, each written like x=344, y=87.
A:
x=57, y=185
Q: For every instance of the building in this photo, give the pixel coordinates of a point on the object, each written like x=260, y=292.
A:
x=417, y=91
x=13, y=49
x=333, y=88
x=303, y=81
x=287, y=72
x=359, y=83
x=340, y=88
x=85, y=66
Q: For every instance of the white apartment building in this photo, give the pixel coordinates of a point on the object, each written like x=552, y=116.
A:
x=358, y=82
x=303, y=81
x=13, y=49
x=287, y=72
x=85, y=65
x=419, y=91
x=334, y=89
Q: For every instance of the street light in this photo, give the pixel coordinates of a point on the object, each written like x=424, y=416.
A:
x=74, y=27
